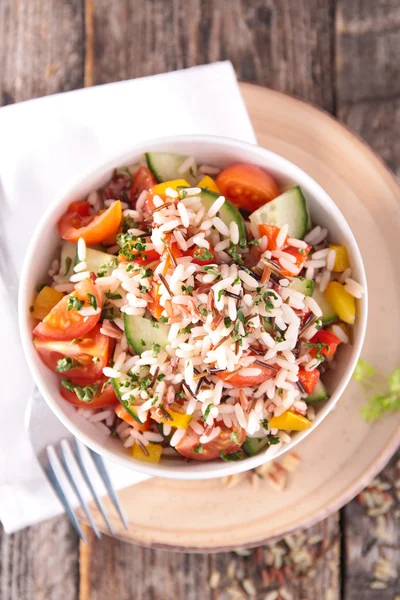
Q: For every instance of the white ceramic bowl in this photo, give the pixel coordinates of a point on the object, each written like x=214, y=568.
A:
x=207, y=150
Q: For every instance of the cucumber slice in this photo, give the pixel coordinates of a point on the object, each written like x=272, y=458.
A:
x=142, y=333
x=167, y=438
x=328, y=314
x=120, y=389
x=268, y=325
x=165, y=167
x=67, y=261
x=227, y=213
x=100, y=263
x=302, y=285
x=320, y=393
x=252, y=446
x=288, y=208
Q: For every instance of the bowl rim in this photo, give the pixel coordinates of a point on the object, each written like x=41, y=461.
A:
x=89, y=178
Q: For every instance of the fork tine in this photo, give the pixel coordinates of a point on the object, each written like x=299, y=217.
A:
x=55, y=473
x=73, y=472
x=109, y=487
x=80, y=449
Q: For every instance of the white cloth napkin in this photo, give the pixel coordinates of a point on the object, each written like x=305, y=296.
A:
x=45, y=143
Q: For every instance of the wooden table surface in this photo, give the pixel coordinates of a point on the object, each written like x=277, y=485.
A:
x=342, y=55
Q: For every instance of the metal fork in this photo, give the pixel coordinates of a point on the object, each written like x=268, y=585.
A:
x=69, y=465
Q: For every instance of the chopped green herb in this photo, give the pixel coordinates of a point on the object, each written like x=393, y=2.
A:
x=160, y=377
x=319, y=346
x=66, y=363
x=187, y=329
x=74, y=303
x=220, y=294
x=76, y=341
x=202, y=311
x=154, y=324
x=255, y=242
x=233, y=456
x=237, y=281
x=183, y=194
x=302, y=251
x=272, y=440
x=68, y=263
x=187, y=290
x=96, y=359
x=198, y=449
x=92, y=301
x=84, y=394
x=155, y=348
x=163, y=319
x=213, y=270
x=112, y=296
x=207, y=412
x=202, y=254
x=233, y=252
x=142, y=342
x=107, y=266
x=146, y=272
x=227, y=322
x=264, y=423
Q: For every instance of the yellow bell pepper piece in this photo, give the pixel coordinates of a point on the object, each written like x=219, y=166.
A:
x=341, y=260
x=46, y=299
x=161, y=188
x=153, y=456
x=208, y=182
x=177, y=419
x=290, y=421
x=341, y=301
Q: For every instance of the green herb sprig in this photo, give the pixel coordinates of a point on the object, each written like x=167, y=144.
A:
x=382, y=398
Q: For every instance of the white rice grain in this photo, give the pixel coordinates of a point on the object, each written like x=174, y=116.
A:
x=215, y=207
x=79, y=276
x=186, y=165
x=354, y=288
x=177, y=437
x=338, y=331
x=81, y=249
x=289, y=266
x=220, y=226
x=313, y=306
x=281, y=237
x=112, y=373
x=234, y=232
x=183, y=213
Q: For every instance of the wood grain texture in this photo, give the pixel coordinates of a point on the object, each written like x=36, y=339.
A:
x=40, y=562
x=129, y=572
x=287, y=45
x=41, y=48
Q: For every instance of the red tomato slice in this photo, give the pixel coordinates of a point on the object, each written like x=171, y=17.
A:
x=105, y=398
x=247, y=186
x=325, y=337
x=222, y=443
x=242, y=380
x=94, y=345
x=300, y=255
x=77, y=222
x=63, y=324
x=143, y=180
x=309, y=379
x=155, y=307
x=201, y=256
x=271, y=231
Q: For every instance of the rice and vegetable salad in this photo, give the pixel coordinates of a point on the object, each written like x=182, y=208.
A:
x=193, y=311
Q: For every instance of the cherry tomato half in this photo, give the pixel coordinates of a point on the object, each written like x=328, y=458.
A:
x=64, y=324
x=89, y=355
x=78, y=223
x=222, y=443
x=247, y=186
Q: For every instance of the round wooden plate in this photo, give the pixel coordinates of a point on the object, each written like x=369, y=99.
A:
x=344, y=453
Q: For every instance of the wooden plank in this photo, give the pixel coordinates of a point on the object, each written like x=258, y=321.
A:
x=40, y=562
x=368, y=100
x=285, y=45
x=41, y=45
x=308, y=569
x=41, y=48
